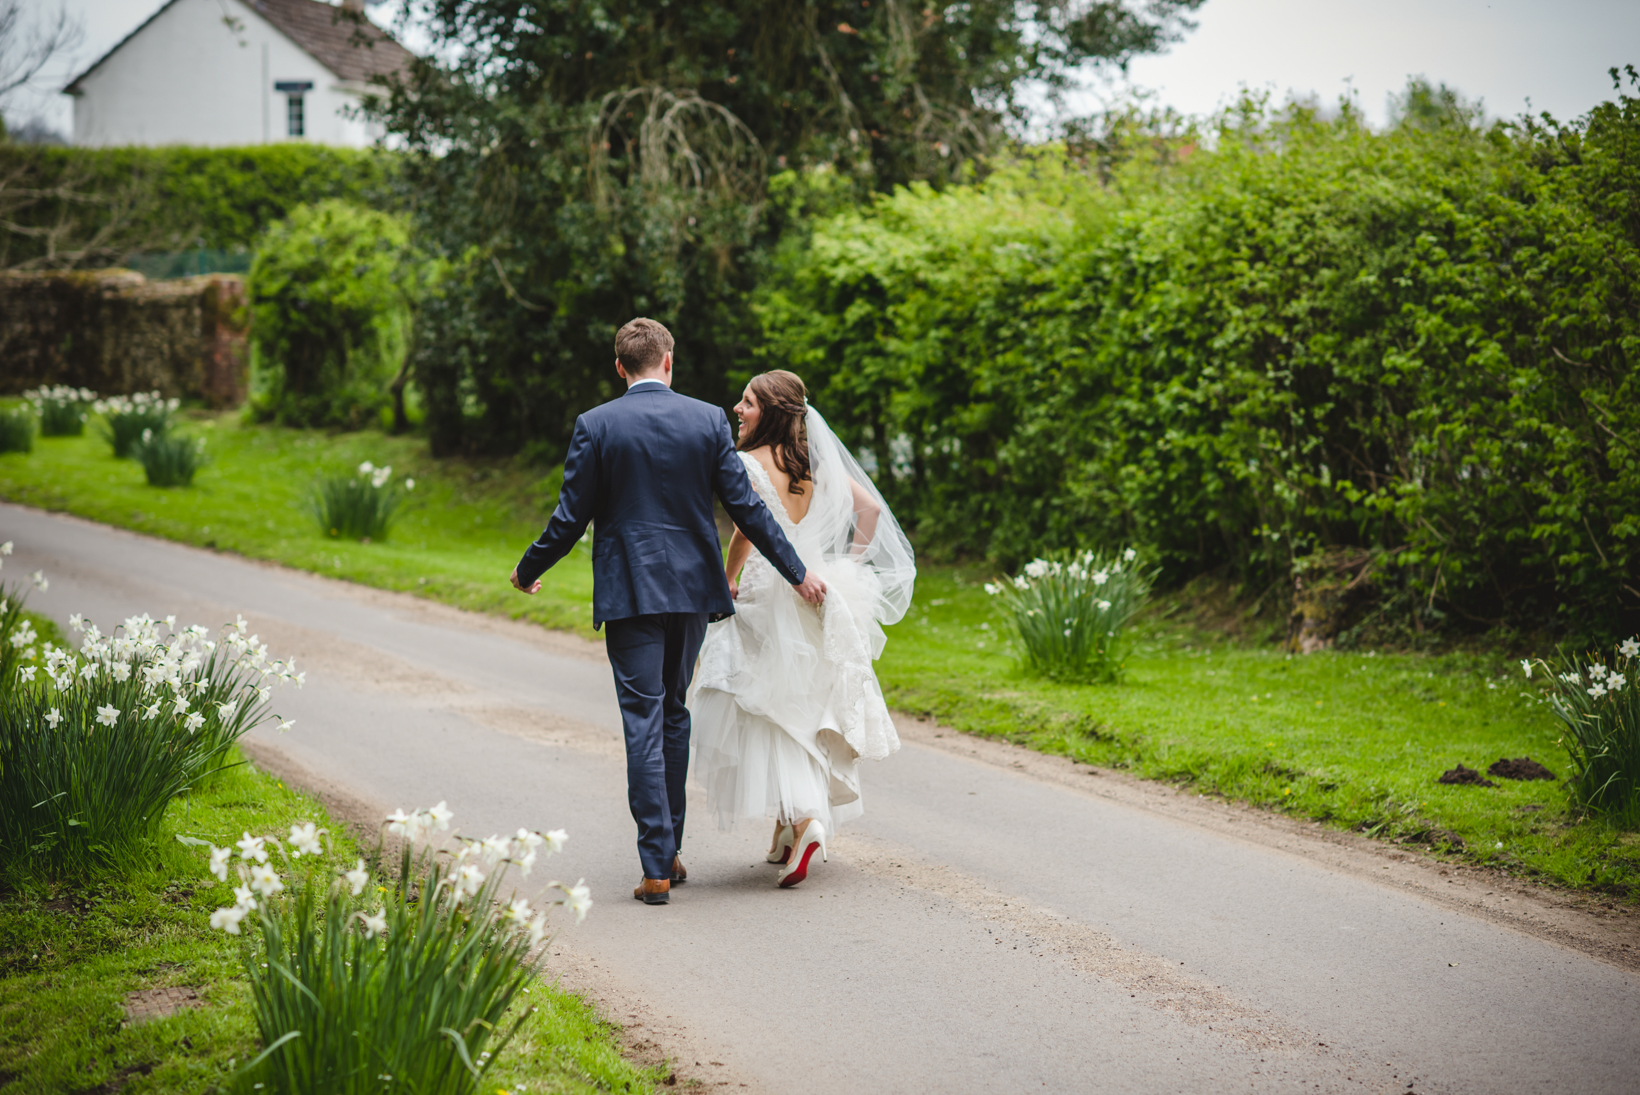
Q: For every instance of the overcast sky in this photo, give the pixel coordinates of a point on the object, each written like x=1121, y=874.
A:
x=1554, y=53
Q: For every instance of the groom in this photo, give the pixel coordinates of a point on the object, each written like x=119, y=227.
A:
x=643, y=469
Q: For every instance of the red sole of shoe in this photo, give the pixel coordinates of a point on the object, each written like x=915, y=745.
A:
x=802, y=870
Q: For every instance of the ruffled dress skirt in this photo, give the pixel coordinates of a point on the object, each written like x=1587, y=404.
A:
x=785, y=703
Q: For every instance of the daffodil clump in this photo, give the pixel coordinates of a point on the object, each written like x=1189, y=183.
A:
x=169, y=460
x=1598, y=702
x=62, y=409
x=18, y=638
x=127, y=417
x=1070, y=613
x=386, y=984
x=96, y=742
x=360, y=506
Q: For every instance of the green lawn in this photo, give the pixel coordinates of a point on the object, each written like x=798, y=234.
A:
x=69, y=955
x=1356, y=739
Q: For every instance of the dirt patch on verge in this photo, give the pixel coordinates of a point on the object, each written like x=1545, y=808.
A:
x=1463, y=776
x=1519, y=768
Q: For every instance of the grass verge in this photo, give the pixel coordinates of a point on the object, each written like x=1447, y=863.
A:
x=69, y=957
x=1355, y=739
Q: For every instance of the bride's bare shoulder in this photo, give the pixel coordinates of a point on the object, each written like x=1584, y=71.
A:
x=763, y=454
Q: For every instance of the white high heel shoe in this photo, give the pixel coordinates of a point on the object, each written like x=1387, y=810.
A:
x=812, y=840
x=782, y=845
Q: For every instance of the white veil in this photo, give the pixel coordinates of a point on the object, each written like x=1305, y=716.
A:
x=848, y=522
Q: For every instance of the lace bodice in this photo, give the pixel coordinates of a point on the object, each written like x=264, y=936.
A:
x=759, y=475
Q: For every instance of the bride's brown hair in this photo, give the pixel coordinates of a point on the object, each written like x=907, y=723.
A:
x=782, y=406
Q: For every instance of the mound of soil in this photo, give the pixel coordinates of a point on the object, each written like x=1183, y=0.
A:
x=1519, y=768
x=1466, y=776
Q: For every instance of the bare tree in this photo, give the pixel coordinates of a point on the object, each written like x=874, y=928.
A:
x=28, y=45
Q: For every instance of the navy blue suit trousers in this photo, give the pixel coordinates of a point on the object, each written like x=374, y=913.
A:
x=654, y=658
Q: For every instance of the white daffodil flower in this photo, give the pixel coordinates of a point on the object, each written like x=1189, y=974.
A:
x=409, y=484
x=219, y=862
x=495, y=849
x=1615, y=681
x=40, y=581
x=225, y=711
x=252, y=847
x=1526, y=667
x=1021, y=582
x=357, y=878
x=992, y=589
x=1129, y=555
x=151, y=711
x=366, y=468
x=555, y=840
x=5, y=548
x=27, y=673
x=286, y=724
x=580, y=899
x=1597, y=690
x=122, y=672
x=181, y=706
x=468, y=879
x=305, y=839
x=375, y=924
x=228, y=919
x=518, y=911
x=1104, y=606
x=538, y=929
x=265, y=880
x=529, y=839
x=108, y=714
x=194, y=721
x=88, y=671
x=441, y=815
x=53, y=717
x=1100, y=577
x=400, y=823
x=244, y=898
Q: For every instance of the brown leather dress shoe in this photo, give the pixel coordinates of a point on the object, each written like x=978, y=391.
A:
x=679, y=875
x=653, y=891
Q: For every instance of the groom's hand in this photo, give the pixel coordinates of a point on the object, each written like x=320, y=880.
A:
x=812, y=589
x=534, y=587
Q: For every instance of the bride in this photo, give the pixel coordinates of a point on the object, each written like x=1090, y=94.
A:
x=785, y=703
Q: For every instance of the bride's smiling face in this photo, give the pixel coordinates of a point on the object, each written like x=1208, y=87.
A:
x=748, y=411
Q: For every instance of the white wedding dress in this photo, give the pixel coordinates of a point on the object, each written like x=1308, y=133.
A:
x=784, y=702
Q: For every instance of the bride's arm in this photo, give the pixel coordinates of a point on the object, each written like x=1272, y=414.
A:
x=866, y=511
x=740, y=549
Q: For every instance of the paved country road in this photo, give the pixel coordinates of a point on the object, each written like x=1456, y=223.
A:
x=997, y=922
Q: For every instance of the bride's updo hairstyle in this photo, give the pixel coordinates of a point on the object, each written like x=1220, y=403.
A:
x=782, y=406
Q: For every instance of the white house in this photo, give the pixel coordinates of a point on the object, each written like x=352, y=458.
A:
x=235, y=72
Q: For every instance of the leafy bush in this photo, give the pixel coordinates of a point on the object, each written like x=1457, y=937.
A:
x=1419, y=342
x=95, y=745
x=1069, y=613
x=127, y=419
x=405, y=993
x=358, y=507
x=331, y=293
x=1599, y=704
x=169, y=460
x=16, y=430
x=62, y=409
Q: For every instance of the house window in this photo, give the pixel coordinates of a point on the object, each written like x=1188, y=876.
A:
x=295, y=109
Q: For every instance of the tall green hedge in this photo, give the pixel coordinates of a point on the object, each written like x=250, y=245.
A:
x=1422, y=342
x=103, y=204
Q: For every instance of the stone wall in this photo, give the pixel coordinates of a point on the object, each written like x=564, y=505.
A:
x=115, y=332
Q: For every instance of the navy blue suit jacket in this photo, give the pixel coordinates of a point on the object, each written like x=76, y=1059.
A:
x=644, y=468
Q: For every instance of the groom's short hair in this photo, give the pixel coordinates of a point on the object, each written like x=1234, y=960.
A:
x=640, y=345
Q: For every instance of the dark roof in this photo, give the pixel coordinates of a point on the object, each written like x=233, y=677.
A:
x=346, y=43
